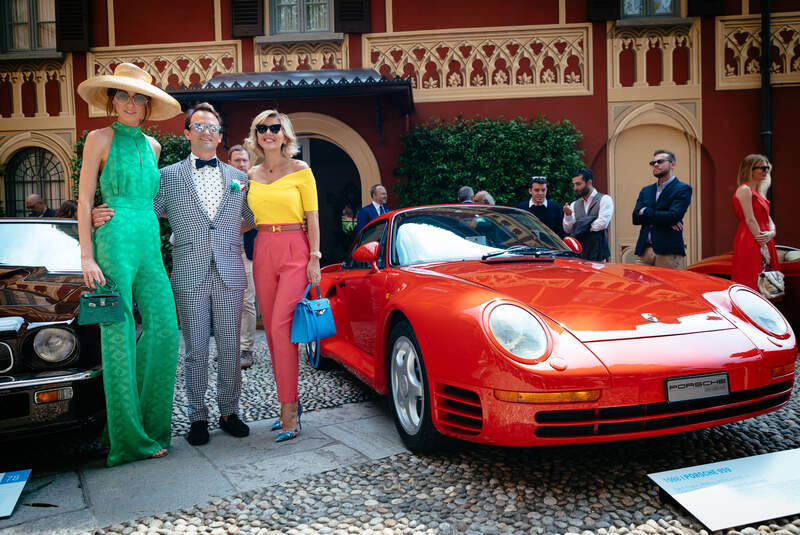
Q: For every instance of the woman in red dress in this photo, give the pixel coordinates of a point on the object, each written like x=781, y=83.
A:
x=753, y=245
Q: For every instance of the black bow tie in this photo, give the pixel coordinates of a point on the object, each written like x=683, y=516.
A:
x=202, y=163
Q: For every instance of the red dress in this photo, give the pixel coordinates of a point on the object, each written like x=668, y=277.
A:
x=747, y=261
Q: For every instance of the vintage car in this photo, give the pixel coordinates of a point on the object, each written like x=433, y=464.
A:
x=789, y=259
x=50, y=372
x=480, y=324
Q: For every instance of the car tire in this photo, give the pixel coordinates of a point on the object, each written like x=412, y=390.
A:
x=409, y=393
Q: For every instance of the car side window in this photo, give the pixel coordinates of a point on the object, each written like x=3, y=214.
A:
x=376, y=232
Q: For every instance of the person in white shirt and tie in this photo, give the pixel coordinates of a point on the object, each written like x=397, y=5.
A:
x=587, y=219
x=374, y=209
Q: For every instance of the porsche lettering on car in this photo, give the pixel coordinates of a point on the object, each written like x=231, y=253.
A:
x=481, y=324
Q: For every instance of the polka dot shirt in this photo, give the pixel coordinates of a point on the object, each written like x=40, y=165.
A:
x=209, y=186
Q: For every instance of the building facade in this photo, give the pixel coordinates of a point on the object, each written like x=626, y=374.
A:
x=633, y=75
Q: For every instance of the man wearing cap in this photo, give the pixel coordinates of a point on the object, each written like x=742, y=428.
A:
x=551, y=213
x=587, y=218
x=205, y=201
x=659, y=210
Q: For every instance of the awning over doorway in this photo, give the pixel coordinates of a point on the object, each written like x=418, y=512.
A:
x=301, y=84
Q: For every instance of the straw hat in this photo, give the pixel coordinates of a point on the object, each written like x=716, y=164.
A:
x=129, y=77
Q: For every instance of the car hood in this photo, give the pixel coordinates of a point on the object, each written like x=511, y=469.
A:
x=37, y=295
x=597, y=301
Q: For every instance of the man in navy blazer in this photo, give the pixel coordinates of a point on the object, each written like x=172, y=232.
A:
x=373, y=209
x=659, y=210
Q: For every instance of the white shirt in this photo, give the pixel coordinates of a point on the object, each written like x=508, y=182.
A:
x=378, y=208
x=209, y=186
x=603, y=216
x=531, y=203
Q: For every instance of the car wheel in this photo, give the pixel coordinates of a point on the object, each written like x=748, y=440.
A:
x=409, y=394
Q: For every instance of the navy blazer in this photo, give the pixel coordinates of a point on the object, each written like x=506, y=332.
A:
x=367, y=214
x=659, y=216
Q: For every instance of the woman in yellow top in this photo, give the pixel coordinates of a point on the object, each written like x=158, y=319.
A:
x=282, y=190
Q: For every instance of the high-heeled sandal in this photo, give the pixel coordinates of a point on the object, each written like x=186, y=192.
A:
x=159, y=454
x=289, y=435
x=277, y=425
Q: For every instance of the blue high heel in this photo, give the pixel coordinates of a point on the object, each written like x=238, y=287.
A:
x=277, y=425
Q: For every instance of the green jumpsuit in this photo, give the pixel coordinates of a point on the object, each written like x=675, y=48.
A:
x=139, y=378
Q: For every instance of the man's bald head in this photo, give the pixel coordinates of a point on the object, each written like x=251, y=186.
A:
x=35, y=204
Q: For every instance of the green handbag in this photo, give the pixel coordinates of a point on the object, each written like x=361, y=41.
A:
x=103, y=305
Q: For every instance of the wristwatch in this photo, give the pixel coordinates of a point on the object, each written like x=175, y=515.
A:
x=317, y=254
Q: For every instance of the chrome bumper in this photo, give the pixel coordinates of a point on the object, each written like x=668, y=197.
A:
x=15, y=383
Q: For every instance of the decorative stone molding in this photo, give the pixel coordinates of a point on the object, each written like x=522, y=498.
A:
x=739, y=51
x=301, y=56
x=40, y=73
x=639, y=41
x=174, y=65
x=487, y=63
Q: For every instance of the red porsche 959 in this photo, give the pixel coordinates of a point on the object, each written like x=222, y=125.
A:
x=480, y=324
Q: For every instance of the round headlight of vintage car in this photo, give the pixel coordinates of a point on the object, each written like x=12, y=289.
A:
x=760, y=312
x=54, y=345
x=518, y=331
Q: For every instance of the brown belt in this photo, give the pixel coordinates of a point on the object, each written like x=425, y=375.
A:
x=280, y=228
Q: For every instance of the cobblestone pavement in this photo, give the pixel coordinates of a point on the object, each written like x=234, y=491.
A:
x=472, y=489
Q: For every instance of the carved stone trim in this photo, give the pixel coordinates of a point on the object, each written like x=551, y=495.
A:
x=739, y=50
x=174, y=65
x=301, y=56
x=39, y=73
x=641, y=40
x=487, y=63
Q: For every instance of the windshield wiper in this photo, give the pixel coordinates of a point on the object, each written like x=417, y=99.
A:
x=533, y=251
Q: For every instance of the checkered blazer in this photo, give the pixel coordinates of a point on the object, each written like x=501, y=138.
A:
x=198, y=239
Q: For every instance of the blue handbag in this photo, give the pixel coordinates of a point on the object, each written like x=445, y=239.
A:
x=312, y=321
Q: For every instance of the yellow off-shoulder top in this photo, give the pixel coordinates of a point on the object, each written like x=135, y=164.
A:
x=285, y=200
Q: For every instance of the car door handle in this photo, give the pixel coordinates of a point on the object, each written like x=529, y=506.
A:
x=340, y=284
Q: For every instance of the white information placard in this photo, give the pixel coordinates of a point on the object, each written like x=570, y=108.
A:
x=737, y=492
x=11, y=485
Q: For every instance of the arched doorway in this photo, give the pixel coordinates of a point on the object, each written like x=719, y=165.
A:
x=33, y=170
x=339, y=193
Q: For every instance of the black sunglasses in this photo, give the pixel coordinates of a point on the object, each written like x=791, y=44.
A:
x=764, y=168
x=659, y=162
x=538, y=180
x=274, y=128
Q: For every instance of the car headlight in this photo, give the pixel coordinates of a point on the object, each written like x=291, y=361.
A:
x=518, y=332
x=54, y=345
x=760, y=312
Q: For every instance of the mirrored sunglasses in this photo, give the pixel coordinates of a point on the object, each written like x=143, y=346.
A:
x=274, y=128
x=123, y=97
x=201, y=127
x=539, y=179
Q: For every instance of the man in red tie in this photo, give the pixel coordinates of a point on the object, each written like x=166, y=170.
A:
x=373, y=209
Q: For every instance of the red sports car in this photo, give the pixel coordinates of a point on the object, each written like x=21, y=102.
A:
x=480, y=324
x=789, y=259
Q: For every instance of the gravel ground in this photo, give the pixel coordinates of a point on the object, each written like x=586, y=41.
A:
x=473, y=489
x=259, y=399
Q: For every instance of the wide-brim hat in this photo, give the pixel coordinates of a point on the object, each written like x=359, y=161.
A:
x=129, y=77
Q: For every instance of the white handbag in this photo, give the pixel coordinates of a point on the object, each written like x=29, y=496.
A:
x=770, y=283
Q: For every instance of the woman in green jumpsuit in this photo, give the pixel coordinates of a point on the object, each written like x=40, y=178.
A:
x=138, y=377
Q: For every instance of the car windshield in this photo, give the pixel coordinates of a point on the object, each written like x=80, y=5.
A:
x=467, y=232
x=50, y=244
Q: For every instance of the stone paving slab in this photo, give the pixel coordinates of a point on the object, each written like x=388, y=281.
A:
x=94, y=496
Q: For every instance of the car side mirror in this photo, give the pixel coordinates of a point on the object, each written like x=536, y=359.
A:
x=573, y=244
x=369, y=253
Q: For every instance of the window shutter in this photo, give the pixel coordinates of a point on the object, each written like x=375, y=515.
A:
x=700, y=8
x=352, y=16
x=602, y=10
x=72, y=25
x=247, y=18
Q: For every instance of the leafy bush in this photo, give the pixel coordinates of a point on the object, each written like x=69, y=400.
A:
x=498, y=155
x=174, y=148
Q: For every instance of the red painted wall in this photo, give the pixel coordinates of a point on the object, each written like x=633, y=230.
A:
x=157, y=21
x=410, y=15
x=99, y=34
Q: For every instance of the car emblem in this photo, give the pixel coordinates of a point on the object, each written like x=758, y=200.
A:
x=649, y=317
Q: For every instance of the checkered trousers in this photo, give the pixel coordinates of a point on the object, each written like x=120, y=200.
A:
x=196, y=307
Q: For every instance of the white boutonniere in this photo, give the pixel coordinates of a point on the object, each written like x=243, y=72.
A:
x=236, y=186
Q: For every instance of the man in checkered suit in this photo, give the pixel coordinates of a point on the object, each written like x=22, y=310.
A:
x=206, y=201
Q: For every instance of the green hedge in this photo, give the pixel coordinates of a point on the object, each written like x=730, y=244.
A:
x=499, y=156
x=174, y=148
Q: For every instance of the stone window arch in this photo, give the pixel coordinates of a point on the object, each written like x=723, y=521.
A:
x=33, y=170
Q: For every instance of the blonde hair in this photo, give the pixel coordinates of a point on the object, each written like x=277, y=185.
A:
x=746, y=171
x=288, y=149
